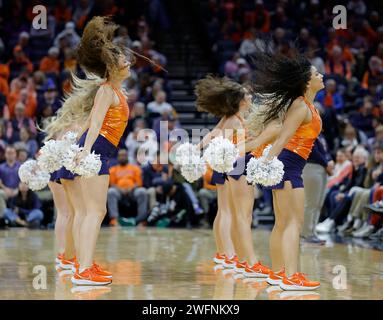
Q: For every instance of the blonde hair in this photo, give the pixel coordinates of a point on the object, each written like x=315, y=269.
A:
x=256, y=119
x=76, y=106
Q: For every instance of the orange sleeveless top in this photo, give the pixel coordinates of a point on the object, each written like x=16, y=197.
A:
x=235, y=136
x=116, y=119
x=258, y=152
x=305, y=136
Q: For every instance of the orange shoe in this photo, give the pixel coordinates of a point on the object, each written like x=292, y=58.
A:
x=230, y=262
x=59, y=257
x=275, y=278
x=298, y=281
x=241, y=266
x=89, y=277
x=113, y=222
x=67, y=264
x=101, y=271
x=219, y=258
x=258, y=270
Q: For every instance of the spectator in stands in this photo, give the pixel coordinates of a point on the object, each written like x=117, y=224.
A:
x=81, y=13
x=49, y=99
x=24, y=43
x=378, y=137
x=9, y=177
x=374, y=74
x=329, y=97
x=22, y=155
x=337, y=67
x=19, y=62
x=123, y=37
x=231, y=66
x=342, y=169
x=166, y=120
x=338, y=197
x=126, y=184
x=154, y=176
x=27, y=142
x=4, y=86
x=351, y=137
x=159, y=105
x=69, y=34
x=208, y=193
x=315, y=59
x=357, y=217
x=24, y=209
x=362, y=119
x=23, y=90
x=50, y=64
x=19, y=121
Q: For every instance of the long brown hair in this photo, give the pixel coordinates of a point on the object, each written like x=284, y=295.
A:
x=218, y=96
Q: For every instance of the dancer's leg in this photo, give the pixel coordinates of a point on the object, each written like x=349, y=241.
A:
x=75, y=198
x=62, y=217
x=242, y=195
x=275, y=241
x=94, y=191
x=223, y=222
x=291, y=204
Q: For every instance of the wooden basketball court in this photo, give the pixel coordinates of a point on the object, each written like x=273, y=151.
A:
x=150, y=263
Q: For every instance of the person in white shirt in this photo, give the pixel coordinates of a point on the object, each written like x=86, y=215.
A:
x=159, y=105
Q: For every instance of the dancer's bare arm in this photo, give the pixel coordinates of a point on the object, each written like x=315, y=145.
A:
x=269, y=134
x=217, y=131
x=294, y=118
x=103, y=100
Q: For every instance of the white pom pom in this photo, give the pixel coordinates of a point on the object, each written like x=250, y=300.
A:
x=221, y=154
x=26, y=170
x=194, y=169
x=264, y=173
x=31, y=174
x=50, y=156
x=89, y=166
x=68, y=157
x=39, y=180
x=70, y=138
x=185, y=152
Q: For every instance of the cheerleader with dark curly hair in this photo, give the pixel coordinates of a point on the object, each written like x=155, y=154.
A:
x=229, y=100
x=288, y=85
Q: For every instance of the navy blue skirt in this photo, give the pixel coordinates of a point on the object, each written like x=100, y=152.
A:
x=53, y=177
x=101, y=146
x=293, y=167
x=239, y=170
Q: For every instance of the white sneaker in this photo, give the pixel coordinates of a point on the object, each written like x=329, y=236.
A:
x=363, y=232
x=357, y=224
x=326, y=226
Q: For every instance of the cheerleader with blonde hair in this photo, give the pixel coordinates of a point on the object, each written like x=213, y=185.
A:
x=97, y=103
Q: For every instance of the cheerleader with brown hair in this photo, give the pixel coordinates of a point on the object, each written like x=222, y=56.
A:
x=229, y=100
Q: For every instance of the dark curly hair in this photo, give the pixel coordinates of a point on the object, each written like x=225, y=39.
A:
x=279, y=79
x=218, y=96
x=96, y=52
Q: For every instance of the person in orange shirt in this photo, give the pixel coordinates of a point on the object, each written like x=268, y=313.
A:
x=126, y=182
x=22, y=90
x=4, y=75
x=19, y=61
x=208, y=192
x=51, y=63
x=336, y=65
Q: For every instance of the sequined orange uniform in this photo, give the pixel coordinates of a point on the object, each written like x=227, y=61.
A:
x=116, y=120
x=258, y=152
x=303, y=140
